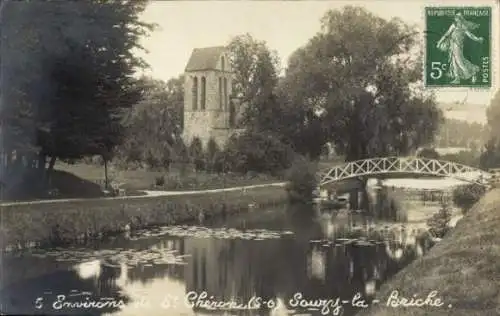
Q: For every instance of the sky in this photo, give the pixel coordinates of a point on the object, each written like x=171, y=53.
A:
x=284, y=25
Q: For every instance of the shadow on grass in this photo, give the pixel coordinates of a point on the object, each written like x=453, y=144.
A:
x=71, y=186
x=64, y=185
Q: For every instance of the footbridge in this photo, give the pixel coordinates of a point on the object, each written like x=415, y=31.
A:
x=404, y=166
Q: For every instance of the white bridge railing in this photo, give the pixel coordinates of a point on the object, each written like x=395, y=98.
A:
x=403, y=165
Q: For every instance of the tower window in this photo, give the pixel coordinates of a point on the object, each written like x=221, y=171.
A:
x=221, y=104
x=203, y=93
x=222, y=63
x=195, y=93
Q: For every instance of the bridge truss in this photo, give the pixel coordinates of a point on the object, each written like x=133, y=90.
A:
x=404, y=165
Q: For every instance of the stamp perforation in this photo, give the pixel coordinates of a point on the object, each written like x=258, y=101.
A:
x=451, y=62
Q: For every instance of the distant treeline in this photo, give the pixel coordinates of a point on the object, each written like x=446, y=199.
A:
x=457, y=133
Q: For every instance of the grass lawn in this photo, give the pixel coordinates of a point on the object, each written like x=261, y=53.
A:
x=82, y=180
x=464, y=269
x=134, y=180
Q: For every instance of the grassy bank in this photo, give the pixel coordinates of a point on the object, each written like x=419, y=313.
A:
x=464, y=269
x=82, y=180
x=172, y=180
x=71, y=221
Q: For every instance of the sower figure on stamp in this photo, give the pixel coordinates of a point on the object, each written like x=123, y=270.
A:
x=453, y=43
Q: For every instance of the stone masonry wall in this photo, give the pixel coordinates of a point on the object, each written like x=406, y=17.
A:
x=213, y=121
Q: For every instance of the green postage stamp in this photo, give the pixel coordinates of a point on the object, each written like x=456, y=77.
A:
x=458, y=47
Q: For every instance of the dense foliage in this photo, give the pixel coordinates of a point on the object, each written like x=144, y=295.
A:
x=466, y=196
x=67, y=70
x=152, y=127
x=302, y=182
x=212, y=155
x=357, y=69
x=257, y=152
x=464, y=157
x=439, y=222
x=349, y=84
x=72, y=92
x=490, y=157
x=256, y=69
x=197, y=154
x=429, y=153
x=457, y=133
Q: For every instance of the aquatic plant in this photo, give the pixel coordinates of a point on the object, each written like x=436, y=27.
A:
x=113, y=257
x=206, y=232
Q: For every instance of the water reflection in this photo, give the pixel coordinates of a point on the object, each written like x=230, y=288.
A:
x=320, y=257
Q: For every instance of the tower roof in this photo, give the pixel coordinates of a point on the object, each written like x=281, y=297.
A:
x=205, y=58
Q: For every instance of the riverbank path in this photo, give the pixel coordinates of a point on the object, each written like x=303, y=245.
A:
x=153, y=193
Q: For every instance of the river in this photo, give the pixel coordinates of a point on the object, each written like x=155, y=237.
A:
x=280, y=261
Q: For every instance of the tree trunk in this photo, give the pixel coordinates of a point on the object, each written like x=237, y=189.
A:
x=42, y=161
x=50, y=168
x=9, y=160
x=106, y=184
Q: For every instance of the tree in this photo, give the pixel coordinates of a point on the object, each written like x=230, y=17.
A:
x=70, y=75
x=356, y=69
x=493, y=115
x=461, y=134
x=256, y=70
x=257, y=152
x=302, y=180
x=490, y=158
x=257, y=67
x=153, y=126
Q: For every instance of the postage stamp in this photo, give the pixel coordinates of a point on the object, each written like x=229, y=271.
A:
x=458, y=47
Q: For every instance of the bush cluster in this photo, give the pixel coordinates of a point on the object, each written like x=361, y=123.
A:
x=246, y=153
x=250, y=152
x=301, y=178
x=467, y=195
x=257, y=152
x=439, y=222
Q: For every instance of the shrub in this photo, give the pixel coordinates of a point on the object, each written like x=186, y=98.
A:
x=211, y=154
x=180, y=152
x=467, y=195
x=258, y=152
x=301, y=178
x=438, y=223
x=221, y=163
x=196, y=153
x=429, y=153
x=160, y=181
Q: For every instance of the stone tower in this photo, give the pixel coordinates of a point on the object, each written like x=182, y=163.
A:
x=208, y=110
